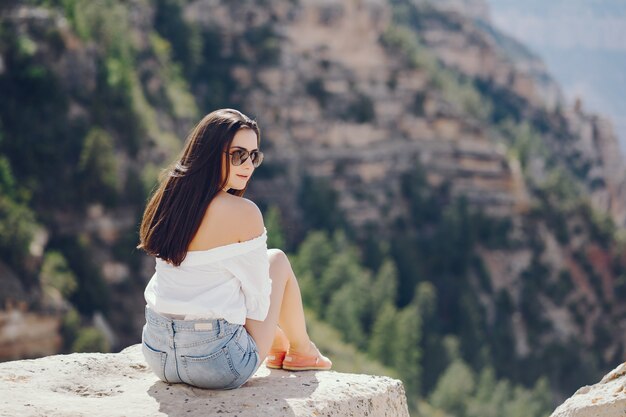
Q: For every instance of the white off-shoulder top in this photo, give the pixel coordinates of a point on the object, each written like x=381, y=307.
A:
x=231, y=282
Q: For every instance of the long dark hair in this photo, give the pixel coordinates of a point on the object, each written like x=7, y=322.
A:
x=188, y=185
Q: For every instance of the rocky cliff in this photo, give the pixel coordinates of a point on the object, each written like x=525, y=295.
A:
x=607, y=398
x=332, y=62
x=122, y=384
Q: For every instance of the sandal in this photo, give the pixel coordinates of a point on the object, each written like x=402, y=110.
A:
x=300, y=362
x=275, y=359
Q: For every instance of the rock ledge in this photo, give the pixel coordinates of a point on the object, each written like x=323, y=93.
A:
x=120, y=384
x=607, y=398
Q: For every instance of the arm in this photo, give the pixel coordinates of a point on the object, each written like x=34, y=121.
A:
x=252, y=268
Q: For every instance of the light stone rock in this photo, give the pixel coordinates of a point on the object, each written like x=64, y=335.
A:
x=607, y=398
x=121, y=384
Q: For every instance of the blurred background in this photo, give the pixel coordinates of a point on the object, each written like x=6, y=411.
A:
x=446, y=177
x=581, y=42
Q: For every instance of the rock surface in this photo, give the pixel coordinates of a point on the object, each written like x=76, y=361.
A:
x=607, y=398
x=120, y=384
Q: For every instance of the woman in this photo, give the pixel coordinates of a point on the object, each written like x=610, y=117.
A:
x=218, y=294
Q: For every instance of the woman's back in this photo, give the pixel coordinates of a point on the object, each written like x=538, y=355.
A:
x=225, y=272
x=228, y=219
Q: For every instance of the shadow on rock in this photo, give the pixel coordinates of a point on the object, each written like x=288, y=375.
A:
x=265, y=393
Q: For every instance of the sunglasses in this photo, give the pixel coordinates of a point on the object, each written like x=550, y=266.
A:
x=239, y=156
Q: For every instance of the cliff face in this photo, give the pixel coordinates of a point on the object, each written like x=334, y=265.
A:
x=332, y=61
x=478, y=50
x=482, y=52
x=329, y=111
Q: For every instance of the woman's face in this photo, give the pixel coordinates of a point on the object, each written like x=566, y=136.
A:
x=245, y=139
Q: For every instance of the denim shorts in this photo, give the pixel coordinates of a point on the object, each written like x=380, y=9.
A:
x=205, y=353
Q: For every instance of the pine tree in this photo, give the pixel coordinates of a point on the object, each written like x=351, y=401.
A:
x=343, y=268
x=344, y=314
x=98, y=166
x=314, y=254
x=433, y=361
x=408, y=353
x=312, y=258
x=454, y=389
x=275, y=234
x=383, y=336
x=385, y=285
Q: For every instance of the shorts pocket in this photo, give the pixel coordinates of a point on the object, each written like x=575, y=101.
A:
x=210, y=371
x=155, y=359
x=242, y=340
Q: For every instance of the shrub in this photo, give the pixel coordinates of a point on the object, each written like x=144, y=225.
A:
x=90, y=339
x=97, y=166
x=55, y=273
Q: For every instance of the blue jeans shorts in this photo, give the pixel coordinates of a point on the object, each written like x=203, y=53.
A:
x=205, y=353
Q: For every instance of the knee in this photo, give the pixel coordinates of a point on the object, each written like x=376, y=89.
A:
x=279, y=263
x=277, y=257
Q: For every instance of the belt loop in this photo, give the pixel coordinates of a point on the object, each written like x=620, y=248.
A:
x=169, y=325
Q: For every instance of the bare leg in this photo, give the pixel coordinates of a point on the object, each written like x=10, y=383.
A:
x=291, y=318
x=285, y=295
x=281, y=342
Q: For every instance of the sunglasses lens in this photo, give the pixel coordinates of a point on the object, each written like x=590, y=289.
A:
x=239, y=157
x=257, y=158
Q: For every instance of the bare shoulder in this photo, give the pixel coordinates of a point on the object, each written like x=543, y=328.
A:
x=228, y=219
x=238, y=217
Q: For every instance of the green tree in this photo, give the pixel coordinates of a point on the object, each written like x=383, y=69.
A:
x=314, y=254
x=90, y=339
x=529, y=403
x=383, y=337
x=55, y=273
x=184, y=36
x=97, y=166
x=343, y=268
x=345, y=310
x=7, y=182
x=319, y=201
x=434, y=357
x=275, y=234
x=17, y=228
x=404, y=42
x=310, y=261
x=471, y=332
x=70, y=327
x=524, y=141
x=489, y=396
x=385, y=285
x=454, y=388
x=426, y=299
x=408, y=353
x=17, y=220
